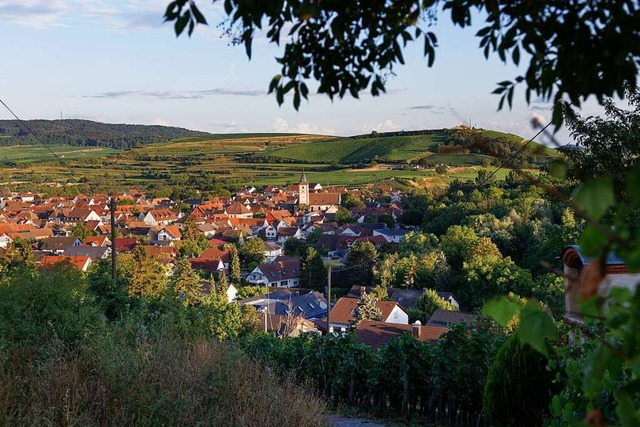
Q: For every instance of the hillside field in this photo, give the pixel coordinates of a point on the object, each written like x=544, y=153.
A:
x=398, y=148
x=238, y=160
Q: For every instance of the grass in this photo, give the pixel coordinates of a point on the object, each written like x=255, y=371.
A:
x=394, y=148
x=37, y=153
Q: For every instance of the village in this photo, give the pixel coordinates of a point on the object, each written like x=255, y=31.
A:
x=272, y=215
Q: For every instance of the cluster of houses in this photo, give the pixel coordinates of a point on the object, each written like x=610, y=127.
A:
x=273, y=215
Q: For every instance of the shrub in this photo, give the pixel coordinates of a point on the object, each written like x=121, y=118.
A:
x=518, y=387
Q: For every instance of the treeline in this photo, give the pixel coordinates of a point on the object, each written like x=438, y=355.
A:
x=88, y=133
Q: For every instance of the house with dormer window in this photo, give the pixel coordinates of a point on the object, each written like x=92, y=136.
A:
x=283, y=272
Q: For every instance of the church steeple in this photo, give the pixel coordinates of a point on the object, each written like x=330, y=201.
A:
x=303, y=191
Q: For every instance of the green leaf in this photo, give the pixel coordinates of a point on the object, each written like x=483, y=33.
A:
x=274, y=82
x=535, y=327
x=558, y=169
x=626, y=411
x=595, y=196
x=594, y=371
x=501, y=309
x=592, y=241
x=200, y=19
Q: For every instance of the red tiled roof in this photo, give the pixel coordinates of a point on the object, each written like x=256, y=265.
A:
x=125, y=244
x=343, y=310
x=77, y=262
x=324, y=199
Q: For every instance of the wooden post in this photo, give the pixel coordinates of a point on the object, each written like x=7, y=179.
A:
x=329, y=327
x=112, y=208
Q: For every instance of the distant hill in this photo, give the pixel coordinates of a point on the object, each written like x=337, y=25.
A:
x=89, y=133
x=458, y=146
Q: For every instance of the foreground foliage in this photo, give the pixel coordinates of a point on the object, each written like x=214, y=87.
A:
x=63, y=363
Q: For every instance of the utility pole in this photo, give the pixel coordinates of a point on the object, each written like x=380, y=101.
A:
x=329, y=327
x=112, y=209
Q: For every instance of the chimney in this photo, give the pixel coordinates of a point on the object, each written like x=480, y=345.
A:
x=415, y=329
x=363, y=290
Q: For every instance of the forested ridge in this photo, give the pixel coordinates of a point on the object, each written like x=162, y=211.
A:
x=89, y=133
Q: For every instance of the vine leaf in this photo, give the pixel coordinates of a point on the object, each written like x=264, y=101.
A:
x=595, y=197
x=535, y=327
x=502, y=310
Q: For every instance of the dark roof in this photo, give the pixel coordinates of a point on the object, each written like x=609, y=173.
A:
x=356, y=291
x=58, y=243
x=283, y=268
x=449, y=317
x=93, y=252
x=407, y=298
x=377, y=334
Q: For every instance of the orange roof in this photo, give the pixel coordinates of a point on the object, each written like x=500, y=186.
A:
x=77, y=262
x=344, y=309
x=217, y=242
x=94, y=240
x=174, y=230
x=215, y=252
x=161, y=251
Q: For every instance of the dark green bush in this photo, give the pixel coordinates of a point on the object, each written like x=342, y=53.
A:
x=518, y=388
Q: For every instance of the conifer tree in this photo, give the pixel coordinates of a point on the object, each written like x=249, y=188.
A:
x=145, y=277
x=365, y=310
x=312, y=269
x=234, y=265
x=223, y=284
x=186, y=282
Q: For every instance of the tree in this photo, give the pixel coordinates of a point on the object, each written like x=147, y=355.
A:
x=365, y=310
x=607, y=145
x=360, y=259
x=428, y=302
x=312, y=270
x=518, y=388
x=234, y=265
x=145, y=277
x=186, y=282
x=80, y=231
x=343, y=215
x=457, y=244
x=111, y=298
x=295, y=247
x=252, y=253
x=350, y=201
x=387, y=220
x=193, y=241
x=351, y=47
x=18, y=254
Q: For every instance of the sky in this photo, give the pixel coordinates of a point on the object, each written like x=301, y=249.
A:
x=115, y=61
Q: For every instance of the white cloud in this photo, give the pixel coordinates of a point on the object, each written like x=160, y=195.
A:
x=280, y=125
x=159, y=121
x=114, y=14
x=34, y=13
x=387, y=125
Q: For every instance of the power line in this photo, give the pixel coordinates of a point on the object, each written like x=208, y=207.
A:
x=60, y=159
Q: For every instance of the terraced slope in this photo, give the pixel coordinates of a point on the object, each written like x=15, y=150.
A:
x=399, y=147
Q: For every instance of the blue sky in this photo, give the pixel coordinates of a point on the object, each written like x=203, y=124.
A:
x=115, y=61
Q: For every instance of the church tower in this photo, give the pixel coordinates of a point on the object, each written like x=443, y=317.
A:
x=303, y=191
